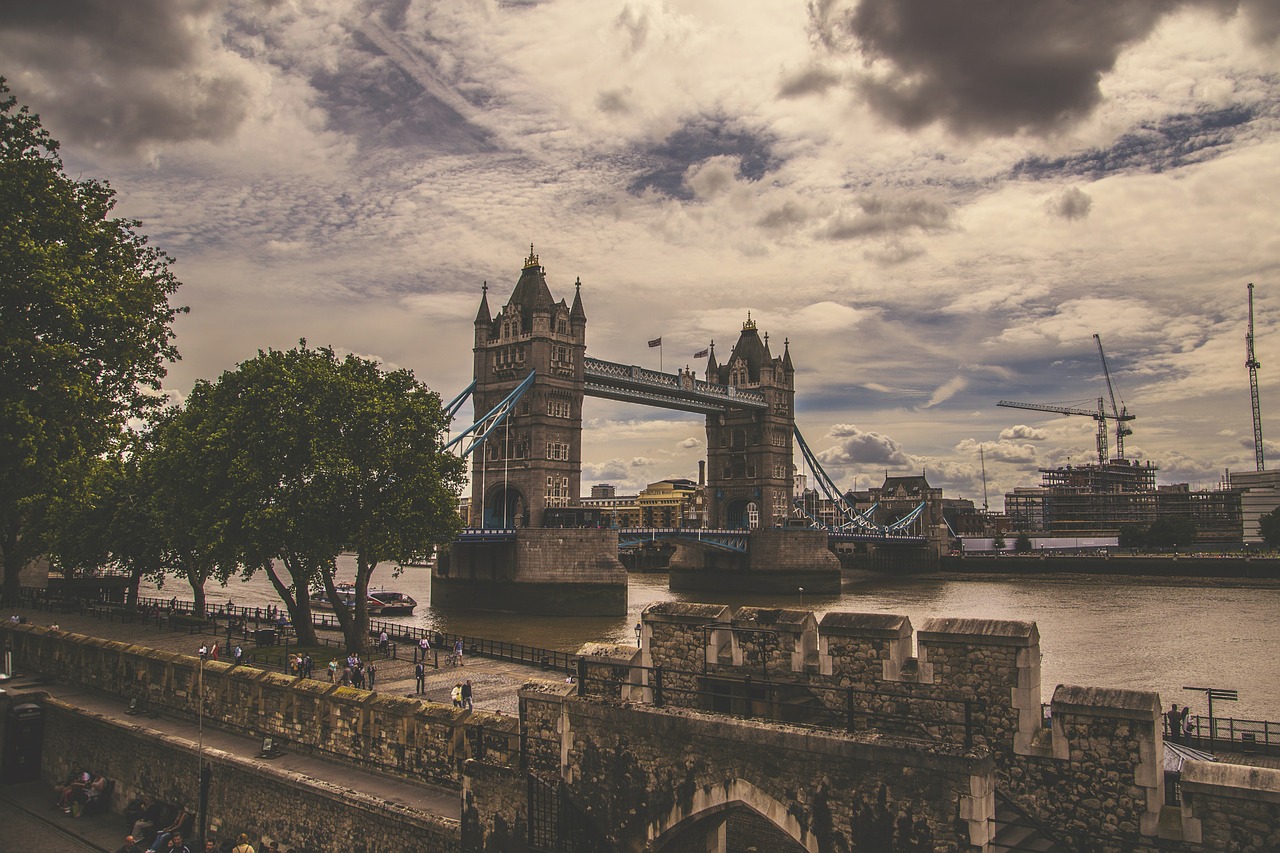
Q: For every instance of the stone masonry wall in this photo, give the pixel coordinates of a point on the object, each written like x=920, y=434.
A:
x=402, y=736
x=264, y=801
x=644, y=770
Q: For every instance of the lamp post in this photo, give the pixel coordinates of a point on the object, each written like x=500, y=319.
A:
x=802, y=596
x=638, y=630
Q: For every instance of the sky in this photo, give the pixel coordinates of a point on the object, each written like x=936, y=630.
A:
x=938, y=205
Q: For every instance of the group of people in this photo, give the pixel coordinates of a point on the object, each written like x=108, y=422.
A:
x=461, y=694
x=80, y=789
x=177, y=844
x=1177, y=723
x=167, y=826
x=356, y=673
x=211, y=651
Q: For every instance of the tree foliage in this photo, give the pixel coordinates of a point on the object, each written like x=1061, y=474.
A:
x=1022, y=544
x=306, y=455
x=1269, y=528
x=85, y=331
x=1170, y=532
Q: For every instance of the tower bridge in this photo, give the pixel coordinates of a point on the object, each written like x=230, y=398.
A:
x=531, y=377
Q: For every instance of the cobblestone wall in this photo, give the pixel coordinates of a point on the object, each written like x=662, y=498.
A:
x=264, y=801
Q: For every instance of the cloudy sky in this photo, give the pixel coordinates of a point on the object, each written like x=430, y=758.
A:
x=937, y=204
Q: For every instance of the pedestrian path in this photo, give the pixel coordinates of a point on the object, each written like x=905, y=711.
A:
x=495, y=685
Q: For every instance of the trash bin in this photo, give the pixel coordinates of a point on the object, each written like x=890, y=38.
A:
x=23, y=744
x=264, y=636
x=1248, y=742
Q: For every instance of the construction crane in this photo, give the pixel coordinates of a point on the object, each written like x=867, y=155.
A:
x=1252, y=364
x=1120, y=415
x=1100, y=416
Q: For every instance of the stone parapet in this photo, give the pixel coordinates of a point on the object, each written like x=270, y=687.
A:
x=861, y=649
x=397, y=735
x=1231, y=806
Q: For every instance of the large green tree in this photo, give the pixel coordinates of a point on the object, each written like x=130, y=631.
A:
x=326, y=454
x=85, y=332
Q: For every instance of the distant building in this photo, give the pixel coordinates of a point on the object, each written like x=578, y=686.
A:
x=1259, y=495
x=1097, y=500
x=666, y=502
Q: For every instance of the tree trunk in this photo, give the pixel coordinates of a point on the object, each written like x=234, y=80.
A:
x=299, y=606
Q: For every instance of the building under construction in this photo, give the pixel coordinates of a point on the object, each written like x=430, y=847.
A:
x=1096, y=500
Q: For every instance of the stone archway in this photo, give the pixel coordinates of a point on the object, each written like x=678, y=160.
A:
x=713, y=806
x=504, y=508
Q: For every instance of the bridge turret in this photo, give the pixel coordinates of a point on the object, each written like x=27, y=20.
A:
x=749, y=452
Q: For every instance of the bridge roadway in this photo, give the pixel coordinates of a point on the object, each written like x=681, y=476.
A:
x=494, y=683
x=731, y=540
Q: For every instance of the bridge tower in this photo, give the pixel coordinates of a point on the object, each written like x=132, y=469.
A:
x=749, y=451
x=534, y=460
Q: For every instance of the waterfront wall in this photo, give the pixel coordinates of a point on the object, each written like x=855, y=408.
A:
x=1226, y=566
x=552, y=571
x=401, y=736
x=778, y=560
x=264, y=801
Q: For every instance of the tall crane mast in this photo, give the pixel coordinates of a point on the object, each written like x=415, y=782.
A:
x=1252, y=364
x=1100, y=416
x=1121, y=414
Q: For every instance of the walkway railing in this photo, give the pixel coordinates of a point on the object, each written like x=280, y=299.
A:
x=178, y=614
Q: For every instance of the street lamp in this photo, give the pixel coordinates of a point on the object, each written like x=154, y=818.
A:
x=638, y=629
x=802, y=596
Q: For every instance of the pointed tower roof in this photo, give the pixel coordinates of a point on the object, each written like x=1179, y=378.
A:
x=712, y=367
x=483, y=315
x=786, y=356
x=531, y=294
x=576, y=313
x=750, y=349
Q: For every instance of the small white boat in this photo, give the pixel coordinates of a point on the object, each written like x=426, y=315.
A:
x=394, y=603
x=347, y=594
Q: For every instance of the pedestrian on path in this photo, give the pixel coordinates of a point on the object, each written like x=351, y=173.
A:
x=424, y=646
x=456, y=695
x=466, y=694
x=420, y=675
x=371, y=673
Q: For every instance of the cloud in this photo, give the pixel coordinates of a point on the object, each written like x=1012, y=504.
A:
x=813, y=80
x=946, y=391
x=999, y=451
x=875, y=215
x=856, y=447
x=697, y=141
x=1071, y=203
x=1171, y=143
x=1022, y=432
x=690, y=443
x=998, y=67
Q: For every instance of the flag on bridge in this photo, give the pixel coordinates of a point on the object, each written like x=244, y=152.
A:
x=702, y=353
x=656, y=342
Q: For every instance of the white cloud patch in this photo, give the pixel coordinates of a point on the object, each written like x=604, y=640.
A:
x=1022, y=432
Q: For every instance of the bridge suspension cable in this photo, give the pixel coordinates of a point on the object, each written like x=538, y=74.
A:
x=492, y=420
x=850, y=519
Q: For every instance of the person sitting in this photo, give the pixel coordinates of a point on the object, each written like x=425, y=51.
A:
x=174, y=830
x=68, y=790
x=153, y=814
x=130, y=845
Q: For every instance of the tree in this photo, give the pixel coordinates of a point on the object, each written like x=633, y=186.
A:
x=1171, y=532
x=1132, y=536
x=1022, y=544
x=85, y=332
x=997, y=541
x=1269, y=528
x=323, y=454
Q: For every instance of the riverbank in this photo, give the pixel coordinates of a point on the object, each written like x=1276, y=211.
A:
x=1180, y=566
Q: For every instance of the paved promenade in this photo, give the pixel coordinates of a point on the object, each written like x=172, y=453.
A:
x=34, y=819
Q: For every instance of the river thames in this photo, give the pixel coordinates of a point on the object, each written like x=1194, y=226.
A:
x=1141, y=633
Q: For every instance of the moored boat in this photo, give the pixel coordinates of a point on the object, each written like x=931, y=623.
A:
x=346, y=593
x=394, y=603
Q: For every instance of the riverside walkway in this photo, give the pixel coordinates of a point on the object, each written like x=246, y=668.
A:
x=495, y=684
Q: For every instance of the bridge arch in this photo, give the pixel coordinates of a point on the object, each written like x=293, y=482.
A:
x=717, y=801
x=505, y=507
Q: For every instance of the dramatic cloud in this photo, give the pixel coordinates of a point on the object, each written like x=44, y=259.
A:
x=876, y=215
x=856, y=447
x=997, y=67
x=696, y=142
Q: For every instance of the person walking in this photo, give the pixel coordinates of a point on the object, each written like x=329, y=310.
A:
x=424, y=646
x=456, y=695
x=420, y=676
x=383, y=643
x=466, y=694
x=371, y=673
